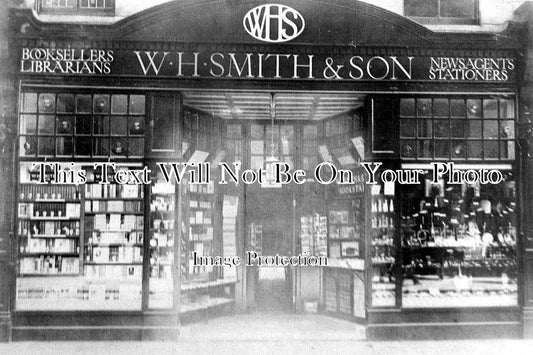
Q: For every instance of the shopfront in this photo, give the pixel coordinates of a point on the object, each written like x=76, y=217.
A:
x=344, y=91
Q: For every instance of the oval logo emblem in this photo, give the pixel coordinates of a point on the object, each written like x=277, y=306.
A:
x=273, y=23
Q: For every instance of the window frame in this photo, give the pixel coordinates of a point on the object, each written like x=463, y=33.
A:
x=440, y=20
x=486, y=127
x=76, y=8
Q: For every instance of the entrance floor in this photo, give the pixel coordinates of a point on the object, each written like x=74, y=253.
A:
x=273, y=327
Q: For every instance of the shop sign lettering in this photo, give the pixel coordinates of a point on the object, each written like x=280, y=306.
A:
x=66, y=61
x=273, y=23
x=470, y=69
x=276, y=66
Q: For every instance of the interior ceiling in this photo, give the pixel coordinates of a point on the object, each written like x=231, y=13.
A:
x=259, y=105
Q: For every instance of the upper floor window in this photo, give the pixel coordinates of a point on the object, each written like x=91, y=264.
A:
x=443, y=11
x=85, y=7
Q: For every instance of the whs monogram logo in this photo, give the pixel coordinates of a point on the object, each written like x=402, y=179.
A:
x=273, y=23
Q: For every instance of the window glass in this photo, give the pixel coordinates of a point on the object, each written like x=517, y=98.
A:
x=459, y=244
x=100, y=269
x=29, y=102
x=422, y=8
x=28, y=124
x=475, y=120
x=457, y=8
x=47, y=118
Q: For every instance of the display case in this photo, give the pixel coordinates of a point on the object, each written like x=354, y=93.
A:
x=382, y=245
x=114, y=236
x=459, y=244
x=48, y=232
x=81, y=244
x=162, y=243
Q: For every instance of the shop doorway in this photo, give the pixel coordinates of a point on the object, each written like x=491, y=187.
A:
x=301, y=129
x=271, y=217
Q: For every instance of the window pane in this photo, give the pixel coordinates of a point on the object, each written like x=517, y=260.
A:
x=47, y=103
x=287, y=147
x=408, y=149
x=474, y=129
x=83, y=146
x=101, y=125
x=28, y=146
x=136, y=126
x=119, y=146
x=407, y=107
x=287, y=132
x=257, y=147
x=119, y=104
x=256, y=162
x=425, y=128
x=119, y=125
x=83, y=124
x=28, y=124
x=457, y=128
x=457, y=108
x=458, y=150
x=46, y=146
x=46, y=124
x=407, y=128
x=507, y=149
x=136, y=147
x=473, y=108
x=490, y=129
x=269, y=132
x=507, y=109
x=441, y=107
x=137, y=104
x=507, y=129
x=257, y=131
x=101, y=104
x=29, y=102
x=442, y=149
x=421, y=8
x=490, y=108
x=457, y=8
x=441, y=128
x=475, y=149
x=83, y=103
x=425, y=149
x=65, y=103
x=491, y=150
x=64, y=146
x=101, y=147
x=65, y=125
x=424, y=107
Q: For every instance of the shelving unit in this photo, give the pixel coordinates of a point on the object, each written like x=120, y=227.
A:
x=114, y=230
x=200, y=231
x=48, y=228
x=161, y=243
x=382, y=250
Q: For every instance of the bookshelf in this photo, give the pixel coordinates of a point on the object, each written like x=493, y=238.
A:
x=161, y=244
x=114, y=230
x=48, y=231
x=200, y=235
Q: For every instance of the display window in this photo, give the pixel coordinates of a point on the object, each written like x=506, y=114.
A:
x=459, y=244
x=80, y=245
x=458, y=229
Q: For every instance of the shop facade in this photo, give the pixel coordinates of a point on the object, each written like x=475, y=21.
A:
x=308, y=84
